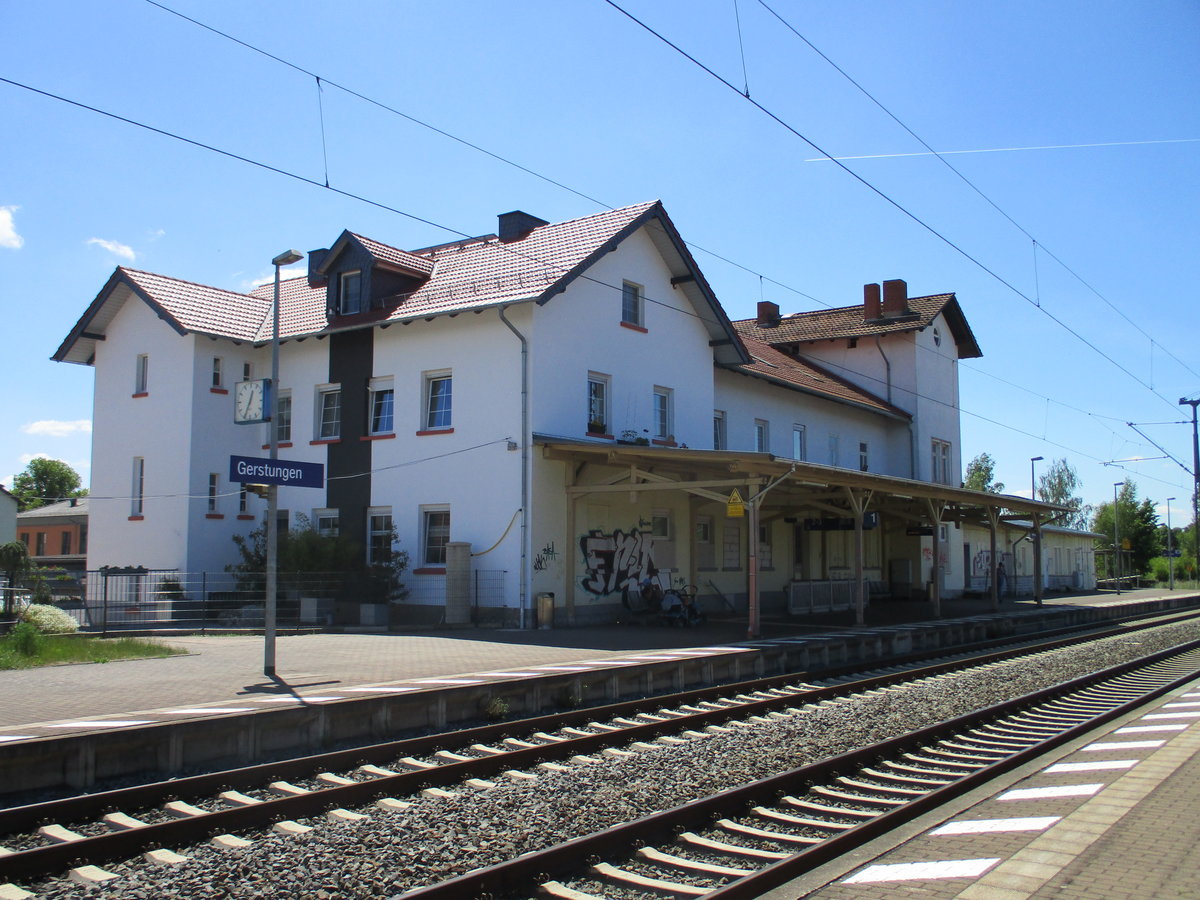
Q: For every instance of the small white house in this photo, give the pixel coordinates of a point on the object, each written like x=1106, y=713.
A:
x=567, y=403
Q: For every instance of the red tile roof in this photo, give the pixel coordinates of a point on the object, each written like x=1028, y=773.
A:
x=782, y=368
x=847, y=322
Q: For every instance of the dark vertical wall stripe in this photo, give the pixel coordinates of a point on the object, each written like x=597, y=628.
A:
x=350, y=365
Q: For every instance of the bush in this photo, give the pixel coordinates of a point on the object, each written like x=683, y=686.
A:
x=25, y=639
x=48, y=619
x=1160, y=569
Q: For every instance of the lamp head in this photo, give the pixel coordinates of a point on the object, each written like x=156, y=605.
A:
x=287, y=257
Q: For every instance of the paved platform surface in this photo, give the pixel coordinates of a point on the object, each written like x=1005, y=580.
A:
x=225, y=673
x=1114, y=816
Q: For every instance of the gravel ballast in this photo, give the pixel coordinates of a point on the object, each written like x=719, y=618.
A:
x=436, y=839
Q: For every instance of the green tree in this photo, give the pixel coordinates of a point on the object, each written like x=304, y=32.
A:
x=15, y=564
x=323, y=564
x=1061, y=485
x=46, y=481
x=1136, y=525
x=980, y=472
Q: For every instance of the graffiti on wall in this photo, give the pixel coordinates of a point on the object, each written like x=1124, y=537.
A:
x=546, y=556
x=616, y=561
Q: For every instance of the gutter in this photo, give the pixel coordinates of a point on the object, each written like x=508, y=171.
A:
x=525, y=462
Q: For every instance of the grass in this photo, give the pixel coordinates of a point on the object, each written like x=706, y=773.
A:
x=55, y=650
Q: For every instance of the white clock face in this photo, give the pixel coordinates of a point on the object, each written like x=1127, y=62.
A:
x=248, y=404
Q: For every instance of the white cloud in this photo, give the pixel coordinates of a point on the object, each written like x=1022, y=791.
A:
x=156, y=234
x=122, y=250
x=8, y=230
x=56, y=428
x=268, y=277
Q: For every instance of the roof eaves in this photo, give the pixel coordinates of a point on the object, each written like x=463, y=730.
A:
x=883, y=408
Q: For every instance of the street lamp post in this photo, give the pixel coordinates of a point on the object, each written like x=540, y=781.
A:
x=1117, y=535
x=1032, y=479
x=283, y=259
x=1183, y=401
x=1170, y=558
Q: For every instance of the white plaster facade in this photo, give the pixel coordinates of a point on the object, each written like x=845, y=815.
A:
x=666, y=376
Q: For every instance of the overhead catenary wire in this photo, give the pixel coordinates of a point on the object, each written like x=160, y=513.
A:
x=887, y=198
x=506, y=161
x=412, y=216
x=974, y=187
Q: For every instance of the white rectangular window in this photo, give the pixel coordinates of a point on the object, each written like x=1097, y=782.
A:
x=660, y=524
x=720, y=439
x=379, y=534
x=214, y=487
x=217, y=378
x=766, y=560
x=438, y=401
x=799, y=451
x=940, y=470
x=864, y=457
x=631, y=304
x=243, y=502
x=664, y=428
x=329, y=412
x=835, y=450
x=382, y=406
x=247, y=371
x=137, y=487
x=283, y=420
x=326, y=522
x=141, y=378
x=762, y=436
x=350, y=299
x=597, y=403
x=435, y=535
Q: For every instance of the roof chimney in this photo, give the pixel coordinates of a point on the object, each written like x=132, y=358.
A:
x=768, y=314
x=895, y=298
x=315, y=259
x=516, y=224
x=871, y=307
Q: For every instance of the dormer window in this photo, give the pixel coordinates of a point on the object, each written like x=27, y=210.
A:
x=350, y=295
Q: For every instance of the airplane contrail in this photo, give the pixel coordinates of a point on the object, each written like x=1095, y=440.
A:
x=1003, y=150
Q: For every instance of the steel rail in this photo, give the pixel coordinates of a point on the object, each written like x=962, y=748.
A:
x=124, y=844
x=522, y=875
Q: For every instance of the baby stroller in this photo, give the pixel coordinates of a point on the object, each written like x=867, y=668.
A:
x=679, y=607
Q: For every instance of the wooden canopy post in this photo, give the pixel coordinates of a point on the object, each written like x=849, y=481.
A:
x=858, y=505
x=935, y=509
x=1037, y=558
x=993, y=515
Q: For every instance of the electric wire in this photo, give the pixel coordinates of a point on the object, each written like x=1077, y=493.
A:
x=585, y=196
x=887, y=198
x=974, y=187
x=388, y=208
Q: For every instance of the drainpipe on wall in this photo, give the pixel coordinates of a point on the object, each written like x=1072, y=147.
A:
x=525, y=460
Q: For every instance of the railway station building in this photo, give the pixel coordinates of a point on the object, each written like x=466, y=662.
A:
x=548, y=415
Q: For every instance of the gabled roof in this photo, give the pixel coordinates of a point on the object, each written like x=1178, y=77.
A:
x=472, y=274
x=847, y=322
x=781, y=368
x=58, y=509
x=392, y=257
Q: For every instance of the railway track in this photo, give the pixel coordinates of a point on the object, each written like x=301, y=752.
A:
x=83, y=833
x=751, y=839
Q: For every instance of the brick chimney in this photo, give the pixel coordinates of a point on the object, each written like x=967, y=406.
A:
x=768, y=314
x=895, y=298
x=516, y=224
x=871, y=308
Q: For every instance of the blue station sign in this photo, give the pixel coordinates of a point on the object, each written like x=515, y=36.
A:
x=283, y=472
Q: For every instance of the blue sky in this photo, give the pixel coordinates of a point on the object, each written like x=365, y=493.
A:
x=578, y=93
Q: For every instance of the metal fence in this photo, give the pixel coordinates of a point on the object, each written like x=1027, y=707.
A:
x=115, y=599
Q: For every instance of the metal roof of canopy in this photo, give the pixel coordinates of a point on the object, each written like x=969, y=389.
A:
x=712, y=473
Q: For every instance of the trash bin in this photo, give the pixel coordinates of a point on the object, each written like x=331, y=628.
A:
x=545, y=609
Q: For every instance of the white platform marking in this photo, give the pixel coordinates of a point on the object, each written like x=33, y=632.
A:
x=1099, y=766
x=202, y=710
x=304, y=699
x=921, y=871
x=1143, y=729
x=1191, y=705
x=1043, y=793
x=653, y=658
x=1121, y=745
x=381, y=690
x=565, y=668
x=448, y=681
x=111, y=723
x=510, y=674
x=1175, y=715
x=15, y=737
x=991, y=826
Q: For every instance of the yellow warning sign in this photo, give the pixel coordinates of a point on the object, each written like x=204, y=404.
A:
x=735, y=507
